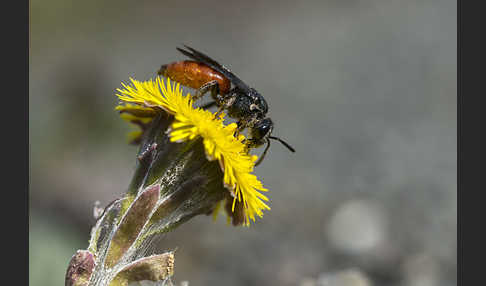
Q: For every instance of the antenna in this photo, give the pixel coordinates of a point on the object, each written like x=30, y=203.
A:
x=283, y=142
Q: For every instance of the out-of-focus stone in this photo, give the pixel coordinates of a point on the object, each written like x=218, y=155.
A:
x=308, y=281
x=420, y=270
x=357, y=226
x=349, y=277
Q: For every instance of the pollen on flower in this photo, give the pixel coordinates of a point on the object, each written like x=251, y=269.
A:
x=189, y=123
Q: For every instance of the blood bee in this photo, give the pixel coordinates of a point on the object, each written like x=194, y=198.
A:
x=241, y=102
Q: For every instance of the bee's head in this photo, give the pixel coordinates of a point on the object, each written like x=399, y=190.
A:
x=261, y=130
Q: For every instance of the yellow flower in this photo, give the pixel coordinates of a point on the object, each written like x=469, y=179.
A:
x=138, y=115
x=218, y=139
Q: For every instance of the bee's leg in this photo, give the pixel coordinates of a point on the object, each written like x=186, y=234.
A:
x=242, y=124
x=263, y=155
x=209, y=105
x=226, y=102
x=212, y=86
x=220, y=109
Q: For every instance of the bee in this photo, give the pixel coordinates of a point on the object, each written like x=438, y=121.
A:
x=241, y=102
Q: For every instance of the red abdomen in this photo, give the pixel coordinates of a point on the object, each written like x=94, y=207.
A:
x=193, y=74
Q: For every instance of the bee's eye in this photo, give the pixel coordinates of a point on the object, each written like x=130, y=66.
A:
x=263, y=128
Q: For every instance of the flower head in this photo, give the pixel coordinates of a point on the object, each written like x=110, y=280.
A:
x=193, y=122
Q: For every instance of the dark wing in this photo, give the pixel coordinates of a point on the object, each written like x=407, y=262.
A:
x=200, y=57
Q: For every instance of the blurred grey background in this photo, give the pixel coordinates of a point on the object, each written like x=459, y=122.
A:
x=364, y=90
